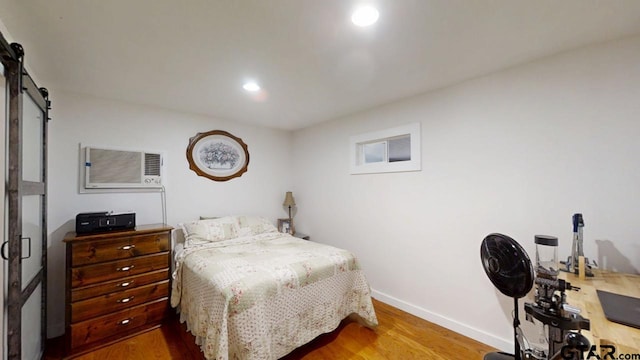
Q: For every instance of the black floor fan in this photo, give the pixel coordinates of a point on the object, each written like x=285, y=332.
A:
x=510, y=270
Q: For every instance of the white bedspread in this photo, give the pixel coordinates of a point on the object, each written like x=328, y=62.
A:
x=260, y=297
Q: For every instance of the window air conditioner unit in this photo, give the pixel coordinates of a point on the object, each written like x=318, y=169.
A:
x=119, y=169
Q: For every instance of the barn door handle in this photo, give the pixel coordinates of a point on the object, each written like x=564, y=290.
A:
x=27, y=238
x=4, y=245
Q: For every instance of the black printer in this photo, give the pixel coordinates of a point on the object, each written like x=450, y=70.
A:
x=96, y=222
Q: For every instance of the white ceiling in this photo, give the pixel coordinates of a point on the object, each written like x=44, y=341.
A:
x=312, y=63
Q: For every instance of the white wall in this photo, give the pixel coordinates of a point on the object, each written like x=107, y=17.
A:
x=91, y=121
x=516, y=152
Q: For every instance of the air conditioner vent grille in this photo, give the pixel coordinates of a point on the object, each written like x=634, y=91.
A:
x=113, y=166
x=152, y=164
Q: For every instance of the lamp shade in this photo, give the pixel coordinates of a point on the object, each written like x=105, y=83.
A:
x=288, y=199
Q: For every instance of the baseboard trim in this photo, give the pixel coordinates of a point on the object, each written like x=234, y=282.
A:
x=453, y=325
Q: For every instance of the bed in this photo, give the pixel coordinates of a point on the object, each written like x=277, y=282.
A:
x=247, y=291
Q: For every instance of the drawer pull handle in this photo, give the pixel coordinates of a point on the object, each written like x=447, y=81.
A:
x=125, y=300
x=126, y=268
x=127, y=247
x=126, y=283
x=125, y=321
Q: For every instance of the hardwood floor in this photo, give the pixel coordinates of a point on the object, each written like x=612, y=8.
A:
x=399, y=335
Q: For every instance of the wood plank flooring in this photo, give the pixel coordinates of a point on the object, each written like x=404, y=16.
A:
x=399, y=335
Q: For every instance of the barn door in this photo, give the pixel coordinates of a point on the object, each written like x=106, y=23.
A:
x=25, y=244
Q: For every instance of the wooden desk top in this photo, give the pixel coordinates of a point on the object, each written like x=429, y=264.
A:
x=625, y=338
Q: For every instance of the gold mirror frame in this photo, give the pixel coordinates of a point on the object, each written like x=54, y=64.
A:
x=219, y=155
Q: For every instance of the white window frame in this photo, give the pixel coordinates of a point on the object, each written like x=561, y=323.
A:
x=357, y=142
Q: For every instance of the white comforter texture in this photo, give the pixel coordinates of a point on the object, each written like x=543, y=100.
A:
x=261, y=296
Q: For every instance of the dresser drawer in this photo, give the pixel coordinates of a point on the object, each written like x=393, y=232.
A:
x=119, y=324
x=112, y=286
x=86, y=309
x=96, y=251
x=93, y=274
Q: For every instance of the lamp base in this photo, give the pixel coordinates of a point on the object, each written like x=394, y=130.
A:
x=292, y=229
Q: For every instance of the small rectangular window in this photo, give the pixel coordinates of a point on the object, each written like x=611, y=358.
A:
x=391, y=150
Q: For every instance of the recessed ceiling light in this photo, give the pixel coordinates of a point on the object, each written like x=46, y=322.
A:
x=365, y=16
x=251, y=86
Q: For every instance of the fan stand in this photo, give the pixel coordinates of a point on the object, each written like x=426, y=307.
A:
x=516, y=324
x=498, y=356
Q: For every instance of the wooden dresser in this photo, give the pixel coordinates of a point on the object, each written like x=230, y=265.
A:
x=117, y=285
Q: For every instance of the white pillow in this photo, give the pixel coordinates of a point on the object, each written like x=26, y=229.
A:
x=210, y=230
x=254, y=225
